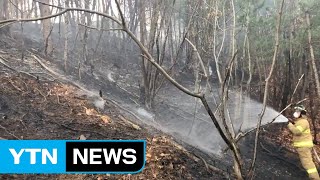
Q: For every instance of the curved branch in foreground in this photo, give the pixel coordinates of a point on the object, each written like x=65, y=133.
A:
x=61, y=13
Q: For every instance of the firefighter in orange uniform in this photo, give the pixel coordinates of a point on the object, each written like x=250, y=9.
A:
x=302, y=140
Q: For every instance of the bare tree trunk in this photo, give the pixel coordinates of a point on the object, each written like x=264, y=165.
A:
x=66, y=37
x=215, y=55
x=313, y=61
x=144, y=85
x=35, y=9
x=4, y=14
x=234, y=41
x=46, y=27
x=248, y=52
x=307, y=77
x=287, y=84
x=314, y=66
x=105, y=9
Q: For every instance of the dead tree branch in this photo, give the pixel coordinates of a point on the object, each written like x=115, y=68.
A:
x=6, y=130
x=199, y=57
x=2, y=61
x=64, y=10
x=101, y=29
x=295, y=89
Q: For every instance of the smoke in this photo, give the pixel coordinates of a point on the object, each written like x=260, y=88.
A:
x=99, y=103
x=182, y=118
x=145, y=113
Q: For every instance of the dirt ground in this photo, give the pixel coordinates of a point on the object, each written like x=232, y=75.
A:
x=33, y=109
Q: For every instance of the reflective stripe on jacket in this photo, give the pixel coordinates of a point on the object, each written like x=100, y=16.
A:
x=301, y=132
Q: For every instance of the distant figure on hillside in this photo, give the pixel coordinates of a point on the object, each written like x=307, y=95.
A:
x=302, y=140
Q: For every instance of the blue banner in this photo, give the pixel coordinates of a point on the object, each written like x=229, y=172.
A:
x=68, y=156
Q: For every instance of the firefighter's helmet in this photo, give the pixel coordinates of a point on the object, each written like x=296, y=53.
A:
x=300, y=108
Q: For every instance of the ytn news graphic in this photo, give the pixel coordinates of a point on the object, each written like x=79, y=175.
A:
x=68, y=156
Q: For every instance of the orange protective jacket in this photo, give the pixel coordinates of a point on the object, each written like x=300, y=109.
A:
x=301, y=132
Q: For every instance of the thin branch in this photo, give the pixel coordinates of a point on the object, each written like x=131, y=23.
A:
x=16, y=6
x=7, y=24
x=5, y=129
x=34, y=19
x=76, y=130
x=295, y=89
x=199, y=57
x=16, y=87
x=2, y=61
x=121, y=14
x=61, y=13
x=101, y=29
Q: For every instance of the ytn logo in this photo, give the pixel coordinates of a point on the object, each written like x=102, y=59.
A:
x=32, y=152
x=63, y=156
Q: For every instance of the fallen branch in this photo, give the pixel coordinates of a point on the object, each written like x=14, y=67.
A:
x=59, y=100
x=43, y=76
x=210, y=167
x=77, y=130
x=129, y=122
x=101, y=29
x=23, y=83
x=45, y=99
x=5, y=129
x=21, y=120
x=2, y=59
x=134, y=101
x=58, y=76
x=132, y=94
x=16, y=87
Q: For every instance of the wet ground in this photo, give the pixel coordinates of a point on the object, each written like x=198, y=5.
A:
x=32, y=109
